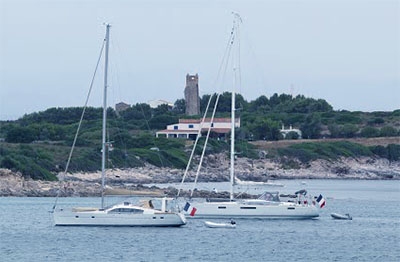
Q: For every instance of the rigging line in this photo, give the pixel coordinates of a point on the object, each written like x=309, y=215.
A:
x=213, y=113
x=224, y=61
x=117, y=94
x=118, y=50
x=231, y=42
x=255, y=64
x=114, y=45
x=80, y=123
x=223, y=64
x=205, y=144
x=114, y=69
x=148, y=128
x=239, y=75
x=194, y=146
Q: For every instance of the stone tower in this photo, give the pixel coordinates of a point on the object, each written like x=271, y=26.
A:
x=192, y=95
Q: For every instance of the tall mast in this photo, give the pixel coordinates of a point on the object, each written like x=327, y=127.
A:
x=236, y=46
x=232, y=168
x=104, y=145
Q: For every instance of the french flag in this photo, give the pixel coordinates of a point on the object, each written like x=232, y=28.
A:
x=321, y=201
x=188, y=208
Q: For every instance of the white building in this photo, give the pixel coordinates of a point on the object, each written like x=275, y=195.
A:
x=189, y=128
x=284, y=131
x=156, y=103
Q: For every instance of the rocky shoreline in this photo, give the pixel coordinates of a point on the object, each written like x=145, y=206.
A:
x=215, y=169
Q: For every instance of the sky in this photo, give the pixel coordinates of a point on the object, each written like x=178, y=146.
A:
x=344, y=51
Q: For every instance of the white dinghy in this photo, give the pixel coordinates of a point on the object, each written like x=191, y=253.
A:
x=340, y=216
x=210, y=224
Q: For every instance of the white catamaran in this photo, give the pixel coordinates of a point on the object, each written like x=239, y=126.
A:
x=268, y=205
x=123, y=214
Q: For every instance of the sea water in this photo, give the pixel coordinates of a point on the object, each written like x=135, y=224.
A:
x=27, y=232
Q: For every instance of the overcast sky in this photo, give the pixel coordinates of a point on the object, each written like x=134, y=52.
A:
x=345, y=51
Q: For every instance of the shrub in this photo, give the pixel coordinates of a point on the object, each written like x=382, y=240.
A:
x=387, y=131
x=306, y=152
x=369, y=132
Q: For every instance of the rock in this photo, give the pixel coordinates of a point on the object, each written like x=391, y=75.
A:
x=89, y=184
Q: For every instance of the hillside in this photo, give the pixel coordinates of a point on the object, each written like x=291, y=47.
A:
x=37, y=145
x=130, y=181
x=376, y=141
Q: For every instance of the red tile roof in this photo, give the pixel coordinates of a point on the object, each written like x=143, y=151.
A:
x=216, y=130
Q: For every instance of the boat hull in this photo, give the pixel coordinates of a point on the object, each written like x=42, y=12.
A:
x=263, y=211
x=219, y=225
x=101, y=218
x=340, y=216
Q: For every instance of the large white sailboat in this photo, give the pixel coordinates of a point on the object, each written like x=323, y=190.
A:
x=268, y=206
x=123, y=214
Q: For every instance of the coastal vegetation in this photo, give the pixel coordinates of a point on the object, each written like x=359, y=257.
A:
x=38, y=144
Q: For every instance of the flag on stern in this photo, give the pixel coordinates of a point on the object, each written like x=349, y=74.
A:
x=321, y=201
x=190, y=209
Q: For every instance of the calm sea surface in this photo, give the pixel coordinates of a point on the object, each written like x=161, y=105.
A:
x=27, y=233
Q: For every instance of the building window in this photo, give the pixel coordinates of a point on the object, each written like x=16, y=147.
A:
x=175, y=127
x=190, y=126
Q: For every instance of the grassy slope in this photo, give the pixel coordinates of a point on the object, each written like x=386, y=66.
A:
x=378, y=141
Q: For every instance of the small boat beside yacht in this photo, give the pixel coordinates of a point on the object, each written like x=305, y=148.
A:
x=341, y=216
x=231, y=224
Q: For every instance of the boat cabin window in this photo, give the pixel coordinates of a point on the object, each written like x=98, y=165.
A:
x=270, y=196
x=247, y=207
x=126, y=210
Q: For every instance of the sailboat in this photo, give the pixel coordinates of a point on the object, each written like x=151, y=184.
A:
x=268, y=205
x=122, y=214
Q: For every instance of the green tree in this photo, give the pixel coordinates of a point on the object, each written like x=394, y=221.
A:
x=20, y=134
x=261, y=104
x=369, y=132
x=179, y=106
x=347, y=117
x=311, y=128
x=334, y=129
x=393, y=152
x=161, y=121
x=204, y=102
x=264, y=129
x=161, y=110
x=349, y=130
x=387, y=131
